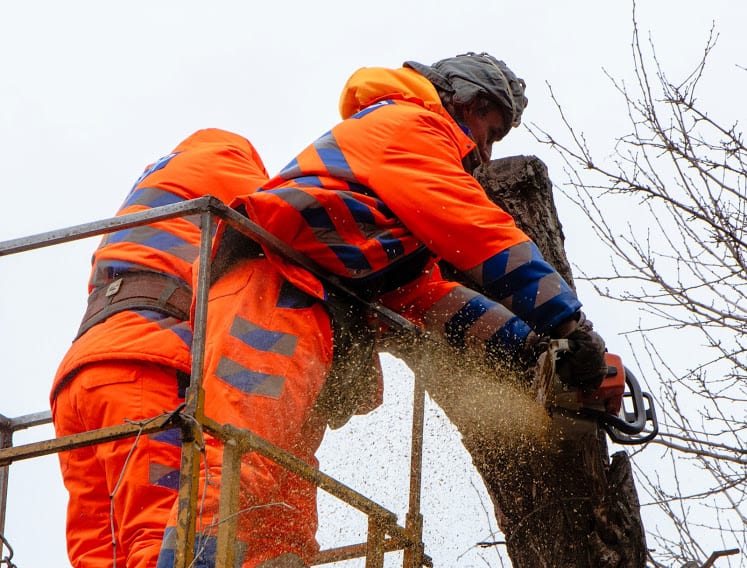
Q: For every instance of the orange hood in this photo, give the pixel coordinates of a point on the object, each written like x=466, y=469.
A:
x=369, y=85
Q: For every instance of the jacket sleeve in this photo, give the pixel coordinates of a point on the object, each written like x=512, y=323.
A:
x=420, y=178
x=460, y=315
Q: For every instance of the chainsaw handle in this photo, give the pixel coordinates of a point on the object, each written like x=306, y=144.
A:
x=626, y=429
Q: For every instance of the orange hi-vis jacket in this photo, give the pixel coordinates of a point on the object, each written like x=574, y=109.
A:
x=209, y=162
x=383, y=195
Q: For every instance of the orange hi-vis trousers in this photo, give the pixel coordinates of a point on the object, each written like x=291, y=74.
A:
x=268, y=351
x=118, y=508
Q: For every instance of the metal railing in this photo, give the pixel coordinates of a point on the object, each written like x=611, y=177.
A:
x=384, y=532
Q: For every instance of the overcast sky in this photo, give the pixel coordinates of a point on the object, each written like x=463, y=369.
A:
x=91, y=92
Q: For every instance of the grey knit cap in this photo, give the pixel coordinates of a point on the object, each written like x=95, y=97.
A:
x=471, y=74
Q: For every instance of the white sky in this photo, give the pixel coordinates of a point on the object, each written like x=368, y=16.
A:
x=91, y=92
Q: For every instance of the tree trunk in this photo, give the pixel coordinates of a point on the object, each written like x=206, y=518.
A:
x=562, y=503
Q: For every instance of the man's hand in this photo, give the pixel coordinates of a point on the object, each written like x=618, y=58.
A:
x=583, y=365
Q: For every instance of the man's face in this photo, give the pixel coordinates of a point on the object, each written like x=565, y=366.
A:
x=486, y=126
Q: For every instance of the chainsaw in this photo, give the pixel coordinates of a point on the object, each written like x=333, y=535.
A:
x=618, y=405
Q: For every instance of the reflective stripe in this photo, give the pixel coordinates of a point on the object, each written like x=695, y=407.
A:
x=371, y=108
x=463, y=314
x=263, y=339
x=158, y=239
x=527, y=285
x=151, y=197
x=442, y=311
x=548, y=288
x=460, y=323
x=333, y=158
x=249, y=381
x=171, y=437
x=509, y=338
x=163, y=476
x=292, y=298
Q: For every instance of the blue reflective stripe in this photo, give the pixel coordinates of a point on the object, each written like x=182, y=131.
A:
x=360, y=211
x=291, y=170
x=457, y=326
x=493, y=274
x=157, y=165
x=205, y=550
x=555, y=311
x=509, y=338
x=171, y=437
x=370, y=109
x=365, y=190
x=177, y=327
x=184, y=332
x=393, y=247
x=522, y=285
x=351, y=256
x=291, y=297
x=106, y=270
x=333, y=158
x=312, y=181
x=169, y=480
x=163, y=476
x=317, y=217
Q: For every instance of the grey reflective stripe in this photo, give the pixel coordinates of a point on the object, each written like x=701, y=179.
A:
x=263, y=339
x=442, y=311
x=518, y=255
x=548, y=288
x=298, y=199
x=249, y=380
x=475, y=274
x=490, y=322
x=162, y=240
x=483, y=328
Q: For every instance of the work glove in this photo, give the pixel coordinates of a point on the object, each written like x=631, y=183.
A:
x=583, y=365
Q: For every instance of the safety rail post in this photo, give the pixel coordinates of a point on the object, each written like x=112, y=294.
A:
x=6, y=440
x=228, y=513
x=8, y=426
x=413, y=554
x=375, y=544
x=192, y=435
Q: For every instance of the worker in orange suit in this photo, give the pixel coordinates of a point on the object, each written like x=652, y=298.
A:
x=131, y=358
x=376, y=201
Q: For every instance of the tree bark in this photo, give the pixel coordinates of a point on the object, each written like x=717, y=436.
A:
x=560, y=503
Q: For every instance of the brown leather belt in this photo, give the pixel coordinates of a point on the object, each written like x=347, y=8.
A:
x=137, y=291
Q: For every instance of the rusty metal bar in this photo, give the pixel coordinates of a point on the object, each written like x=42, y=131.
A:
x=94, y=228
x=253, y=442
x=413, y=554
x=7, y=427
x=73, y=441
x=352, y=551
x=29, y=420
x=192, y=441
x=718, y=554
x=375, y=543
x=6, y=441
x=230, y=483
